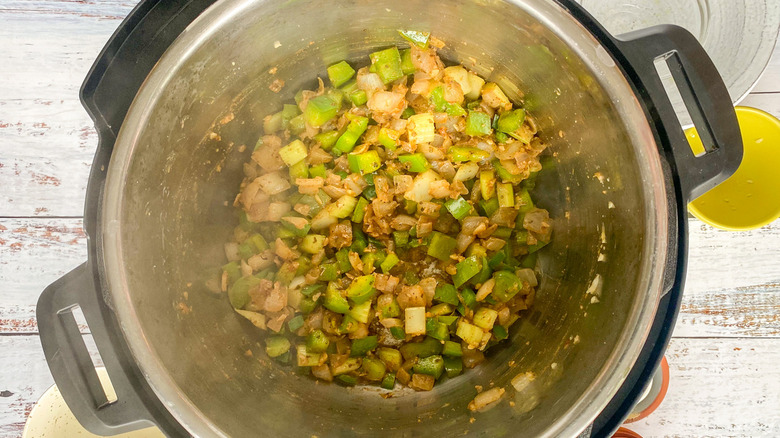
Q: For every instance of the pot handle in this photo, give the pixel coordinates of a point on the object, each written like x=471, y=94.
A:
x=129, y=56
x=705, y=96
x=70, y=363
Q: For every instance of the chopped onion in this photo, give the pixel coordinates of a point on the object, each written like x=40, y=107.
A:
x=486, y=289
x=486, y=400
x=521, y=381
x=472, y=357
x=463, y=241
x=273, y=183
x=467, y=171
x=231, y=252
x=494, y=244
x=369, y=82
x=536, y=220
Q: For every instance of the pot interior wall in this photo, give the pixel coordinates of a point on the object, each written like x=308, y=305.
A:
x=177, y=213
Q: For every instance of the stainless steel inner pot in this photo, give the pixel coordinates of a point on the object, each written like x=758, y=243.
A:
x=170, y=184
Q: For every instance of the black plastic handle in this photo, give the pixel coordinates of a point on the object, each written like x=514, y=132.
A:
x=70, y=363
x=706, y=99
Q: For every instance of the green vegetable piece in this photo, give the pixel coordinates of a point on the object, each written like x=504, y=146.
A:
x=307, y=358
x=361, y=311
x=328, y=272
x=318, y=170
x=448, y=319
x=246, y=250
x=485, y=317
x=437, y=99
x=390, y=261
x=367, y=162
x=529, y=261
x=484, y=273
x=408, y=112
x=388, y=138
x=357, y=126
x=349, y=365
x=507, y=286
x=343, y=206
x=441, y=309
x=388, y=382
x=452, y=349
x=398, y=332
x=276, y=346
x=290, y=111
x=536, y=247
x=524, y=201
x=359, y=241
x=295, y=323
x=340, y=73
x=317, y=341
x=327, y=139
x=272, y=123
x=459, y=208
x=410, y=207
x=504, y=174
x=431, y=365
x=312, y=289
x=506, y=195
x=461, y=154
x=407, y=66
x=469, y=298
x=312, y=243
x=342, y=257
x=293, y=153
x=361, y=289
x=292, y=228
x=297, y=124
x=437, y=330
x=387, y=64
x=428, y=347
x=446, y=293
x=374, y=369
x=233, y=270
x=470, y=333
x=401, y=238
x=360, y=210
x=320, y=110
x=500, y=332
x=391, y=310
x=308, y=305
x=501, y=137
x=347, y=379
x=239, y=291
x=415, y=162
x=442, y=246
x=419, y=39
x=358, y=97
x=478, y=124
x=453, y=366
x=334, y=302
x=510, y=121
x=391, y=357
x=362, y=346
x=496, y=259
x=349, y=325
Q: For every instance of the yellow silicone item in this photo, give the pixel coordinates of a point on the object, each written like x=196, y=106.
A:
x=750, y=198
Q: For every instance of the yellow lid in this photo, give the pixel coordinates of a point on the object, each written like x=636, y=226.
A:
x=751, y=197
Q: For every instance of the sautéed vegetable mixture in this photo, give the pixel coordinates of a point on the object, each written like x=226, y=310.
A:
x=387, y=234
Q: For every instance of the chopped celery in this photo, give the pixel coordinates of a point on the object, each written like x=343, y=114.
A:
x=510, y=121
x=391, y=357
x=485, y=317
x=387, y=64
x=401, y=238
x=362, y=346
x=321, y=109
x=297, y=124
x=388, y=138
x=340, y=73
x=328, y=272
x=390, y=261
x=327, y=139
x=374, y=369
x=414, y=320
x=272, y=123
x=361, y=311
x=349, y=365
x=442, y=246
x=276, y=346
x=239, y=291
x=342, y=207
x=441, y=309
x=478, y=124
x=299, y=170
x=506, y=196
x=307, y=358
x=459, y=208
x=334, y=302
x=364, y=163
x=460, y=154
x=361, y=289
x=421, y=128
x=318, y=170
x=415, y=162
x=470, y=333
x=360, y=210
x=233, y=270
x=293, y=153
x=419, y=39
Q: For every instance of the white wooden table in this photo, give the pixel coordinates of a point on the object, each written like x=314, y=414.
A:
x=724, y=358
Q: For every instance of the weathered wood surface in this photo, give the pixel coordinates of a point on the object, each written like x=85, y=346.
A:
x=723, y=360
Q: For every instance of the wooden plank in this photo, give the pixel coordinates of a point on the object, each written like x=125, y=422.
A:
x=46, y=138
x=24, y=379
x=719, y=388
x=733, y=283
x=34, y=253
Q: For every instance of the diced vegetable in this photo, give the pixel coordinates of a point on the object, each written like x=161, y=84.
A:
x=442, y=246
x=293, y=153
x=465, y=270
x=459, y=208
x=388, y=64
x=276, y=346
x=340, y=73
x=239, y=292
x=364, y=163
x=478, y=124
x=470, y=333
x=485, y=317
x=507, y=285
x=390, y=261
x=415, y=162
x=357, y=126
x=510, y=121
x=362, y=346
x=419, y=39
x=361, y=311
x=431, y=365
x=333, y=301
x=320, y=110
x=312, y=243
x=452, y=349
x=460, y=154
x=414, y=318
x=421, y=128
x=453, y=366
x=374, y=369
x=506, y=196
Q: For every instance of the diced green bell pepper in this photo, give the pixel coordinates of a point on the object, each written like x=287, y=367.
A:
x=452, y=349
x=361, y=289
x=416, y=162
x=390, y=261
x=364, y=163
x=478, y=124
x=357, y=126
x=320, y=110
x=387, y=64
x=461, y=154
x=431, y=365
x=453, y=366
x=334, y=302
x=419, y=39
x=459, y=208
x=362, y=346
x=442, y=246
x=446, y=293
x=507, y=285
x=510, y=121
x=340, y=73
x=428, y=347
x=327, y=139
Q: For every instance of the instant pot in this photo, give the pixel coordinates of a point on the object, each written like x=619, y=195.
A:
x=183, y=85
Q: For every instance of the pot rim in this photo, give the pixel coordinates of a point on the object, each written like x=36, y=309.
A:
x=553, y=15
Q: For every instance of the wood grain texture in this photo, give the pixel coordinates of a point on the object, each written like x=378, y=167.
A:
x=47, y=141
x=24, y=378
x=34, y=253
x=719, y=388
